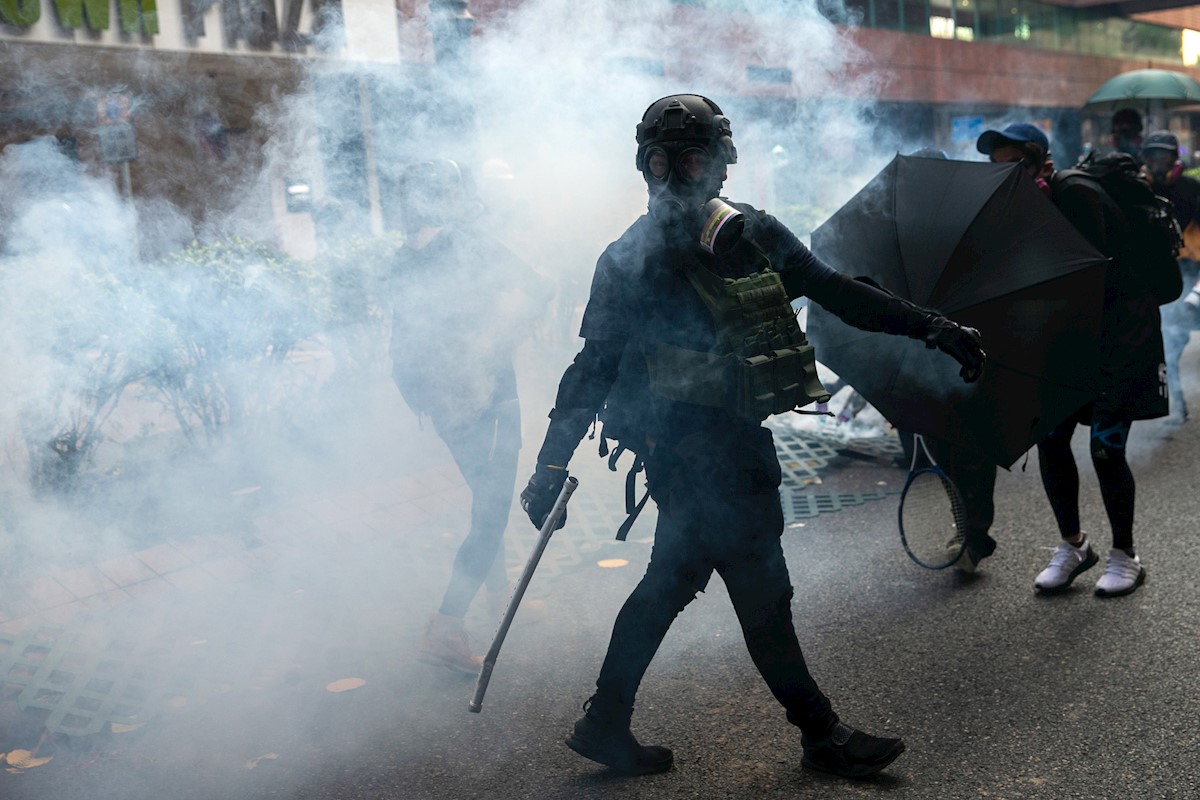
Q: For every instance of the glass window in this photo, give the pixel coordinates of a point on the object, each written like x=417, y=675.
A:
x=966, y=20
x=885, y=14
x=916, y=16
x=1042, y=22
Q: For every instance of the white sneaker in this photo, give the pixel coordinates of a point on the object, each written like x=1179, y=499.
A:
x=1066, y=563
x=1122, y=574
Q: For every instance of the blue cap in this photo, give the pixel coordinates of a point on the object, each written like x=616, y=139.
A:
x=1018, y=132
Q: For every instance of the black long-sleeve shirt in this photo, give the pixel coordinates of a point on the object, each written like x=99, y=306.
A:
x=639, y=293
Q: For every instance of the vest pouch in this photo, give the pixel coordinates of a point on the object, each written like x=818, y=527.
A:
x=778, y=382
x=690, y=376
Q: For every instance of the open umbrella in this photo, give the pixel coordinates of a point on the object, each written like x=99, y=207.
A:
x=982, y=245
x=1142, y=88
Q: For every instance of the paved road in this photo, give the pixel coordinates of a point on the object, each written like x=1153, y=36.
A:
x=997, y=692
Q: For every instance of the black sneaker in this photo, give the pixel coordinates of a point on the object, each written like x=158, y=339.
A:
x=850, y=753
x=611, y=743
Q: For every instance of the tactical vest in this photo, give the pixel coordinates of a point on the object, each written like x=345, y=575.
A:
x=761, y=363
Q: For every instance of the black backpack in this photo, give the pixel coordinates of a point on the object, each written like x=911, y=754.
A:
x=1154, y=237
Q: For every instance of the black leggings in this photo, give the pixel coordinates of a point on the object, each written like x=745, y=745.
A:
x=1060, y=475
x=486, y=453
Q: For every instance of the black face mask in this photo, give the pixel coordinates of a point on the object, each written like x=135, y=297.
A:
x=684, y=181
x=1163, y=165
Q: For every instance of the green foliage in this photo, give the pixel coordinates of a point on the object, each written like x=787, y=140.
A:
x=231, y=313
x=74, y=330
x=207, y=332
x=357, y=276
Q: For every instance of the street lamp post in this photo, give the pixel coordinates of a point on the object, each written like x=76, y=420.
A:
x=450, y=25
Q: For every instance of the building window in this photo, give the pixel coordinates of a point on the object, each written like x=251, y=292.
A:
x=759, y=74
x=1190, y=47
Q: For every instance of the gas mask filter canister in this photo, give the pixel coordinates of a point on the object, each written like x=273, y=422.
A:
x=722, y=228
x=682, y=193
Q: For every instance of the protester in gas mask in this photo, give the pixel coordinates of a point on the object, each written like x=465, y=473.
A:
x=462, y=304
x=1127, y=132
x=690, y=341
x=1160, y=155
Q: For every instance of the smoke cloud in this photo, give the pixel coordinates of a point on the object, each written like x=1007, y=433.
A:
x=202, y=379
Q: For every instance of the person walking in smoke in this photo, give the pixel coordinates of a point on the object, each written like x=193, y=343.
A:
x=1160, y=157
x=1131, y=379
x=462, y=304
x=690, y=341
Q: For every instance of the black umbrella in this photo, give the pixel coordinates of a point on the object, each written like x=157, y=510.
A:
x=981, y=244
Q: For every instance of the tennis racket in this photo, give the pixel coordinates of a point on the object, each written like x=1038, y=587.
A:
x=931, y=513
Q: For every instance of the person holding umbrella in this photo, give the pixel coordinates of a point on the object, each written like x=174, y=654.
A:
x=690, y=341
x=1126, y=126
x=1131, y=380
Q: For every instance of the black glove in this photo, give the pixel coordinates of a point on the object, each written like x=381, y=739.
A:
x=963, y=344
x=538, y=496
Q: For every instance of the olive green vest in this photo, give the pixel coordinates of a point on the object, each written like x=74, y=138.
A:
x=761, y=364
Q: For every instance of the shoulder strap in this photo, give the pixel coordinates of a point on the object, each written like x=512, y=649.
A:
x=632, y=508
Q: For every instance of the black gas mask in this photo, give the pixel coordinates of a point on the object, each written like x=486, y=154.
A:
x=684, y=144
x=684, y=181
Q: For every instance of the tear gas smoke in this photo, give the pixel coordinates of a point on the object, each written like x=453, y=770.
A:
x=179, y=386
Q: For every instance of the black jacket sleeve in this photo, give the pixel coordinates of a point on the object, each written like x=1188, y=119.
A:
x=863, y=304
x=858, y=302
x=581, y=392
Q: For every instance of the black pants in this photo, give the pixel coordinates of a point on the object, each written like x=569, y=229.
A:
x=718, y=501
x=486, y=453
x=975, y=479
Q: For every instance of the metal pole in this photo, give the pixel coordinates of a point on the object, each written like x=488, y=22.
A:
x=547, y=530
x=126, y=182
x=370, y=161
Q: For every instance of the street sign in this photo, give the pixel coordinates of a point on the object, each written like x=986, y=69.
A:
x=113, y=109
x=965, y=129
x=118, y=143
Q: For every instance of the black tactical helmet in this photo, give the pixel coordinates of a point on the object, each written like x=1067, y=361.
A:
x=685, y=118
x=435, y=192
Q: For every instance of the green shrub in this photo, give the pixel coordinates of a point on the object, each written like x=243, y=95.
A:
x=231, y=313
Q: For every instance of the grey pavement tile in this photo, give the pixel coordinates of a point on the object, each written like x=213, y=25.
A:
x=19, y=625
x=163, y=558
x=356, y=534
x=262, y=558
x=124, y=570
x=151, y=590
x=45, y=592
x=15, y=605
x=191, y=579
x=281, y=523
x=107, y=600
x=396, y=517
x=228, y=569
x=426, y=483
x=451, y=501
x=61, y=615
x=200, y=547
x=85, y=581
x=378, y=495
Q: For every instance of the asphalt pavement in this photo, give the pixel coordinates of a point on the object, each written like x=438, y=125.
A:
x=998, y=692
